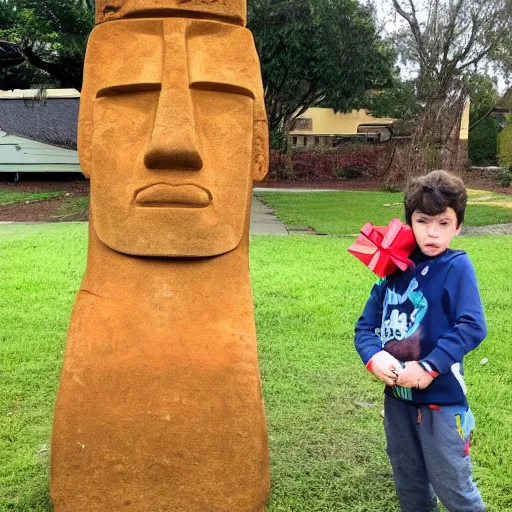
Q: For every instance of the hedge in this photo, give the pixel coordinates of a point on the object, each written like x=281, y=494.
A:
x=350, y=161
x=505, y=143
x=483, y=143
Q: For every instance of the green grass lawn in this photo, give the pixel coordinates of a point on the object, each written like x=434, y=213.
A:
x=345, y=212
x=323, y=408
x=9, y=196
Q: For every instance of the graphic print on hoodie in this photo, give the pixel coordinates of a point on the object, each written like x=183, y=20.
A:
x=400, y=330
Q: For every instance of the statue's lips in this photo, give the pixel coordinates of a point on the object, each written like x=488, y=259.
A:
x=163, y=195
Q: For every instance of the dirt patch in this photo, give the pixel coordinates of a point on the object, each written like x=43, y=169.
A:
x=78, y=188
x=45, y=210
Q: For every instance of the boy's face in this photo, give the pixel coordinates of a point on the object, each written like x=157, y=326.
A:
x=434, y=233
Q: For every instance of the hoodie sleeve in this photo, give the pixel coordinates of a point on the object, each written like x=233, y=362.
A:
x=463, y=303
x=367, y=342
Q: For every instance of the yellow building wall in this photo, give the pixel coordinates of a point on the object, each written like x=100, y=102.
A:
x=326, y=122
x=464, y=123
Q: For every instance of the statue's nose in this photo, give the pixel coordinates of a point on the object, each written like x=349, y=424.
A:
x=174, y=144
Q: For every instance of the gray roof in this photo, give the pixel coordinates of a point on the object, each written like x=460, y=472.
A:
x=49, y=120
x=505, y=103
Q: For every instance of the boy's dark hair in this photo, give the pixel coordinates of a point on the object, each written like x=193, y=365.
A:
x=433, y=193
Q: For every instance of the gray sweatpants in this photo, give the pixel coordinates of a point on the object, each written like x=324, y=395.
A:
x=428, y=450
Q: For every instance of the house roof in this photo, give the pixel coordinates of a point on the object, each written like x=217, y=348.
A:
x=51, y=120
x=505, y=103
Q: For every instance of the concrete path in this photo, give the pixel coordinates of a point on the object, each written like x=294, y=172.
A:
x=493, y=229
x=263, y=220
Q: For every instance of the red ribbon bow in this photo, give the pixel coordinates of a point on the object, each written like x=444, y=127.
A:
x=384, y=249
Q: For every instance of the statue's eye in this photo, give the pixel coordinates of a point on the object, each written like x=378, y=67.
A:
x=116, y=90
x=218, y=87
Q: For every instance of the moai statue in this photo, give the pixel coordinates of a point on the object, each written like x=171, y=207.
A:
x=159, y=406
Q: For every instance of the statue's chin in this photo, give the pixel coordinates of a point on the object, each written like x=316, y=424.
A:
x=189, y=241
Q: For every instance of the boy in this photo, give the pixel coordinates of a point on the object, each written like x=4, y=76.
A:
x=413, y=334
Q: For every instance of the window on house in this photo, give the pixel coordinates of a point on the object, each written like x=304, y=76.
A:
x=317, y=141
x=294, y=141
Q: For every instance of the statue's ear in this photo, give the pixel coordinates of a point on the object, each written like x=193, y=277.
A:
x=86, y=111
x=260, y=145
x=85, y=133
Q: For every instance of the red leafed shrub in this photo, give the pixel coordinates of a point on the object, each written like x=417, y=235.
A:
x=277, y=166
x=350, y=161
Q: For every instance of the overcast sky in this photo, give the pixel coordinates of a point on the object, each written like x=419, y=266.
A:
x=389, y=22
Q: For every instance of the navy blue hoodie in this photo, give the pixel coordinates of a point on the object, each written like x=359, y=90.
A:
x=431, y=312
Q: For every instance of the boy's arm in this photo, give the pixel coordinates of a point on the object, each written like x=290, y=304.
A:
x=368, y=344
x=461, y=290
x=366, y=341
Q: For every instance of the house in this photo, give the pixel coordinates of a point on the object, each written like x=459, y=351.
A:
x=322, y=128
x=38, y=131
x=504, y=106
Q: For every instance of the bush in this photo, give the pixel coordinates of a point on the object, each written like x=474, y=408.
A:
x=277, y=166
x=505, y=179
x=350, y=161
x=505, y=143
x=488, y=177
x=353, y=172
x=483, y=143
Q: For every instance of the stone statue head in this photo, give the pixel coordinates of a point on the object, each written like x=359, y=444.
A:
x=172, y=127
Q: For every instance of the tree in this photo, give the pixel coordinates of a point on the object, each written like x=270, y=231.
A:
x=10, y=54
x=51, y=34
x=445, y=42
x=397, y=101
x=483, y=125
x=484, y=97
x=313, y=52
x=317, y=53
x=25, y=76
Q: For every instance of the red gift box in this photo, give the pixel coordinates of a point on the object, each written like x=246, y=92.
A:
x=384, y=249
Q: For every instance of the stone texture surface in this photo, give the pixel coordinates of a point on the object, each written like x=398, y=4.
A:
x=159, y=406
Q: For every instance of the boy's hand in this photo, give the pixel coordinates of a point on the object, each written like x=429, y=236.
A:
x=385, y=367
x=414, y=376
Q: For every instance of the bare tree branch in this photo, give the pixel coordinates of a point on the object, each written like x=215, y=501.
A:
x=471, y=41
x=450, y=29
x=445, y=39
